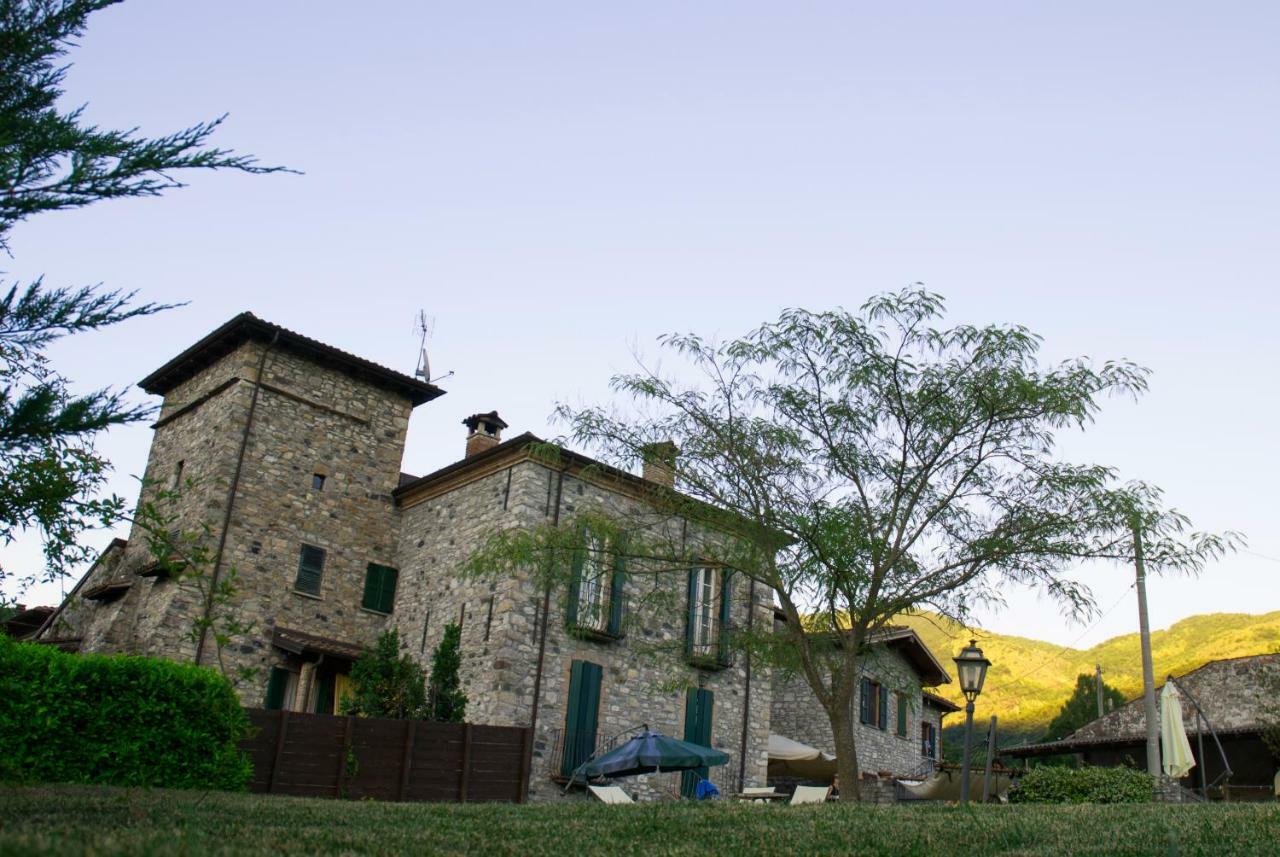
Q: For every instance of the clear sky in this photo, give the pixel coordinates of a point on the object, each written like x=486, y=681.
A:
x=557, y=183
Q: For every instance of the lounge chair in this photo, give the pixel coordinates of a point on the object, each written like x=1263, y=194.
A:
x=810, y=794
x=610, y=794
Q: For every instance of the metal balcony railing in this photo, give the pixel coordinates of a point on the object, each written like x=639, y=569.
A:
x=595, y=619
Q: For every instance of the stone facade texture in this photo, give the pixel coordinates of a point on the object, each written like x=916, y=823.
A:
x=645, y=677
x=307, y=451
x=798, y=715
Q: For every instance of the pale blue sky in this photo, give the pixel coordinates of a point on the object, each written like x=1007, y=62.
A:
x=558, y=182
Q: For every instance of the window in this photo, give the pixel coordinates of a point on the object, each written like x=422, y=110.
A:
x=317, y=481
x=706, y=642
x=873, y=704
x=901, y=699
x=379, y=588
x=929, y=741
x=581, y=715
x=310, y=570
x=282, y=687
x=177, y=473
x=596, y=600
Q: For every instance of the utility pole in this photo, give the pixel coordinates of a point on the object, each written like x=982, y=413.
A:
x=1148, y=670
x=1097, y=685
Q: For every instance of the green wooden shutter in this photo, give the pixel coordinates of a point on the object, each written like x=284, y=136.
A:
x=616, y=587
x=372, y=585
x=698, y=708
x=902, y=714
x=310, y=569
x=581, y=718
x=276, y=686
x=691, y=618
x=864, y=701
x=726, y=613
x=884, y=707
x=389, y=578
x=575, y=588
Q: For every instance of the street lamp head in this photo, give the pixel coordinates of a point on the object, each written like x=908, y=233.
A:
x=972, y=665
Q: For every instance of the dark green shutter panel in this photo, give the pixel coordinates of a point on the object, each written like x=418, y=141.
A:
x=372, y=581
x=616, y=587
x=864, y=701
x=691, y=618
x=310, y=569
x=902, y=714
x=726, y=611
x=387, y=597
x=884, y=707
x=575, y=588
x=571, y=718
x=276, y=685
x=582, y=715
x=698, y=707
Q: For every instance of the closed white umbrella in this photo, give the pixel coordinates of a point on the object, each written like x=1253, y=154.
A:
x=1174, y=746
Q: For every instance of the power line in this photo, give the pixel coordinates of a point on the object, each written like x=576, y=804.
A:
x=1260, y=555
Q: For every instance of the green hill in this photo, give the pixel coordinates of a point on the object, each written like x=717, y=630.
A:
x=1030, y=679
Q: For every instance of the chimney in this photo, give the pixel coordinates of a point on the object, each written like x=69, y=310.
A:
x=660, y=462
x=484, y=431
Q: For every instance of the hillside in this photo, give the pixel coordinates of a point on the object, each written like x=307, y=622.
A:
x=1030, y=679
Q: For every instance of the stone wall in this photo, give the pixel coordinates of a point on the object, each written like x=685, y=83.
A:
x=798, y=716
x=645, y=676
x=309, y=419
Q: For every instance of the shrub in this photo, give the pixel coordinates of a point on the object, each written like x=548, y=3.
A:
x=385, y=683
x=445, y=700
x=117, y=720
x=1054, y=784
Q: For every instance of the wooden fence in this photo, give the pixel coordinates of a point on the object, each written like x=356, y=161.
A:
x=318, y=755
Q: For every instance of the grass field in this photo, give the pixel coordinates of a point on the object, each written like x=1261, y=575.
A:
x=83, y=820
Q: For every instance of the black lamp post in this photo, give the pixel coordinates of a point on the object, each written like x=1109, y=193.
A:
x=972, y=665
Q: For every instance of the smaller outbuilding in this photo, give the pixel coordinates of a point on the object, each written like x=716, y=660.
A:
x=1238, y=698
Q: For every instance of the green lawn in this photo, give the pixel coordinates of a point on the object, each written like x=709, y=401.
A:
x=97, y=820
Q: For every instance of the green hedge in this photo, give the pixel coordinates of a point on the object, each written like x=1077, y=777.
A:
x=118, y=720
x=1055, y=784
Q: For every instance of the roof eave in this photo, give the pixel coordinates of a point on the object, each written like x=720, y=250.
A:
x=246, y=326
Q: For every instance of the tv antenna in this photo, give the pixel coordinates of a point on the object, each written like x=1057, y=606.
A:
x=426, y=327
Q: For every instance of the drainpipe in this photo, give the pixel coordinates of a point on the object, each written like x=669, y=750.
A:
x=231, y=499
x=542, y=636
x=746, y=693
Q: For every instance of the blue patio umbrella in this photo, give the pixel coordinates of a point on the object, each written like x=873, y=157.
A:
x=651, y=752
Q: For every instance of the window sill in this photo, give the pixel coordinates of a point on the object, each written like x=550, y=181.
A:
x=307, y=595
x=364, y=609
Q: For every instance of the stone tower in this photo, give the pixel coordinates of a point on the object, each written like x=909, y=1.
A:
x=286, y=451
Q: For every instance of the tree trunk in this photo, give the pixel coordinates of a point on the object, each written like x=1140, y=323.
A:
x=846, y=751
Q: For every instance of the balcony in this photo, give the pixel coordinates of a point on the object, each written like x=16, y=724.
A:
x=594, y=619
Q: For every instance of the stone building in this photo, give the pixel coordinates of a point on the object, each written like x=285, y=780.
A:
x=287, y=452
x=1238, y=701
x=897, y=721
x=285, y=455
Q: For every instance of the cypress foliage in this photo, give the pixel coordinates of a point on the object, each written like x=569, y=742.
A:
x=446, y=702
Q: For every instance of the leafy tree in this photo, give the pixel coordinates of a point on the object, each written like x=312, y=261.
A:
x=386, y=683
x=1082, y=707
x=50, y=160
x=446, y=702
x=866, y=464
